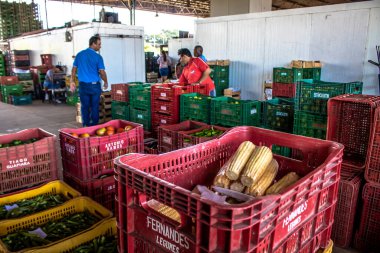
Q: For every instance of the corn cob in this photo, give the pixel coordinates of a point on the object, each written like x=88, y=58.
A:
x=258, y=189
x=164, y=210
x=237, y=186
x=239, y=159
x=255, y=167
x=221, y=179
x=283, y=183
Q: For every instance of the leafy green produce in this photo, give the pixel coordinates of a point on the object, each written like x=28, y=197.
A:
x=29, y=206
x=17, y=143
x=107, y=244
x=208, y=133
x=54, y=231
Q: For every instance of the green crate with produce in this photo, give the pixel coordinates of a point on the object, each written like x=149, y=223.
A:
x=142, y=117
x=312, y=95
x=278, y=114
x=140, y=96
x=120, y=110
x=16, y=89
x=230, y=112
x=311, y=125
x=195, y=106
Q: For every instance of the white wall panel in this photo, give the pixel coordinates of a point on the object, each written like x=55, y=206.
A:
x=286, y=38
x=371, y=71
x=339, y=40
x=246, y=51
x=213, y=38
x=175, y=44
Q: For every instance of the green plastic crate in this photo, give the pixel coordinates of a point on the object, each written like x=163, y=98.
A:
x=72, y=100
x=311, y=73
x=312, y=95
x=282, y=151
x=230, y=112
x=140, y=96
x=24, y=76
x=142, y=117
x=120, y=110
x=195, y=106
x=221, y=81
x=311, y=125
x=16, y=89
x=278, y=114
x=22, y=100
x=287, y=75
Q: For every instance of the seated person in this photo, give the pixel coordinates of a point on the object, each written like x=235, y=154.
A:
x=49, y=83
x=195, y=71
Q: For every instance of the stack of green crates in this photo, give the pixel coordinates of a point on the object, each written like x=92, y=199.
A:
x=10, y=90
x=26, y=80
x=310, y=117
x=220, y=75
x=230, y=112
x=2, y=65
x=195, y=106
x=140, y=104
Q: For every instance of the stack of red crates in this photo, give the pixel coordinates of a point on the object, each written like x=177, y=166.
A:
x=353, y=121
x=88, y=162
x=165, y=103
x=30, y=164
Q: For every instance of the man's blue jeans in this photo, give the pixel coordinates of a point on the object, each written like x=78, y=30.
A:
x=89, y=94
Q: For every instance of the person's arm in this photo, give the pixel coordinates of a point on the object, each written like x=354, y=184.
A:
x=205, y=74
x=72, y=83
x=103, y=76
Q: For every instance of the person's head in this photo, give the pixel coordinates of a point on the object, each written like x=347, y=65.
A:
x=184, y=55
x=198, y=51
x=95, y=42
x=163, y=54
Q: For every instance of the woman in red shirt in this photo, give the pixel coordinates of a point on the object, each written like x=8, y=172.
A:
x=195, y=72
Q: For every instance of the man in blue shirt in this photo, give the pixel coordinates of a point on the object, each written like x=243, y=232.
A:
x=198, y=52
x=91, y=69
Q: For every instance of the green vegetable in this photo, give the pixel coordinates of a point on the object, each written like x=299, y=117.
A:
x=100, y=244
x=17, y=143
x=32, y=205
x=55, y=230
x=208, y=133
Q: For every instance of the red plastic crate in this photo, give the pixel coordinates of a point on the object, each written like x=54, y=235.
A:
x=119, y=92
x=262, y=225
x=161, y=119
x=29, y=164
x=169, y=91
x=202, y=89
x=367, y=237
x=89, y=158
x=168, y=135
x=47, y=59
x=101, y=190
x=8, y=80
x=286, y=90
x=349, y=187
x=350, y=122
x=166, y=107
x=185, y=139
x=372, y=171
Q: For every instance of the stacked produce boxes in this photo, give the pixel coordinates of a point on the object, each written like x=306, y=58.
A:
x=195, y=106
x=88, y=153
x=353, y=120
x=220, y=75
x=310, y=118
x=20, y=59
x=140, y=105
x=165, y=103
x=13, y=92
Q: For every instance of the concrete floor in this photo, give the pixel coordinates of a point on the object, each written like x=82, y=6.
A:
x=52, y=118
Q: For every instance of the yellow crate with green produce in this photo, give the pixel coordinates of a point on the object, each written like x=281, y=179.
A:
x=103, y=236
x=52, y=226
x=36, y=200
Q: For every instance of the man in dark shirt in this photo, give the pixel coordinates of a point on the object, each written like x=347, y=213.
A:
x=91, y=69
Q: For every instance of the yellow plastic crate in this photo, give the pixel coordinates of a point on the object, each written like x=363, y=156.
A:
x=328, y=249
x=107, y=227
x=55, y=187
x=73, y=206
